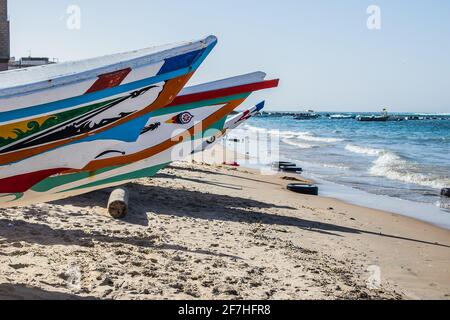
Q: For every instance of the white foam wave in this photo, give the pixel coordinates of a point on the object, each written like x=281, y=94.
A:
x=252, y=128
x=364, y=150
x=298, y=144
x=301, y=135
x=394, y=167
x=335, y=166
x=309, y=137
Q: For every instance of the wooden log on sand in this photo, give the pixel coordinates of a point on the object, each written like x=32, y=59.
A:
x=118, y=203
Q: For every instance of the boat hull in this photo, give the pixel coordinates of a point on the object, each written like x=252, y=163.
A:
x=157, y=137
x=39, y=120
x=372, y=119
x=68, y=185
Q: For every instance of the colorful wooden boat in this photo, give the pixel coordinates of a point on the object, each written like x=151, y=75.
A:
x=231, y=124
x=196, y=108
x=46, y=107
x=20, y=176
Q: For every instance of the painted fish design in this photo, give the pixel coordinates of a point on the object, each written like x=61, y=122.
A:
x=90, y=121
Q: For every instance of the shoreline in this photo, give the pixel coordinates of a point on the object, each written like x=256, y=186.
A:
x=356, y=156
x=425, y=212
x=388, y=207
x=293, y=178
x=205, y=231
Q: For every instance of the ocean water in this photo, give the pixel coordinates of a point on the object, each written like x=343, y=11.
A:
x=407, y=160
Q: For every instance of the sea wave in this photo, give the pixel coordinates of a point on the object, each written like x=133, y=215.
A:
x=252, y=128
x=310, y=137
x=300, y=135
x=335, y=166
x=364, y=150
x=299, y=144
x=394, y=167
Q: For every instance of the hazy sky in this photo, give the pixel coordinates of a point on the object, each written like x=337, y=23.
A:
x=323, y=52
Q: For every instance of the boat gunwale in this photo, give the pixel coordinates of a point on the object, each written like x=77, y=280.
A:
x=77, y=101
x=73, y=78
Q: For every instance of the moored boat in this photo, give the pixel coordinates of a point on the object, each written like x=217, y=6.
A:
x=308, y=115
x=46, y=107
x=374, y=118
x=198, y=107
x=341, y=116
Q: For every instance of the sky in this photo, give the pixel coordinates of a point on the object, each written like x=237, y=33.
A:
x=323, y=51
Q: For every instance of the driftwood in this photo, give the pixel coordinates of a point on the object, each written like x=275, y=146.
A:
x=118, y=203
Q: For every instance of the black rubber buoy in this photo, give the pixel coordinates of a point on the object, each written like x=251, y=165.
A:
x=283, y=164
x=304, y=189
x=289, y=166
x=291, y=169
x=445, y=192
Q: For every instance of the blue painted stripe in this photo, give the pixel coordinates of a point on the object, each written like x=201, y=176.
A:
x=180, y=61
x=260, y=106
x=131, y=130
x=203, y=55
x=88, y=98
x=128, y=131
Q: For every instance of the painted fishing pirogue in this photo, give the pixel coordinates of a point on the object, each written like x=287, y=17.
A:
x=79, y=104
x=166, y=132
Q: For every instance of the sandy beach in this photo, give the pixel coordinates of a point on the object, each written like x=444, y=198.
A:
x=207, y=231
x=352, y=94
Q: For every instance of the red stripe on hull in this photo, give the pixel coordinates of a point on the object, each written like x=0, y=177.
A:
x=109, y=80
x=24, y=182
x=214, y=94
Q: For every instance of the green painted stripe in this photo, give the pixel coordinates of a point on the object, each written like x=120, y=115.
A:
x=17, y=196
x=56, y=181
x=219, y=125
x=143, y=173
x=53, y=120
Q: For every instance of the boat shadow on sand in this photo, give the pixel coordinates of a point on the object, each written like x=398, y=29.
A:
x=199, y=205
x=211, y=172
x=216, y=207
x=19, y=231
x=164, y=201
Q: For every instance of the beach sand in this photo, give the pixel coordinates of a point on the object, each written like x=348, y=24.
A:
x=207, y=231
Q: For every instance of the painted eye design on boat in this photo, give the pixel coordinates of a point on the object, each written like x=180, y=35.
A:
x=211, y=140
x=182, y=118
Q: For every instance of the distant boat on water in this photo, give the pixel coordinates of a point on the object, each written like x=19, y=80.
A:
x=308, y=115
x=341, y=116
x=374, y=118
